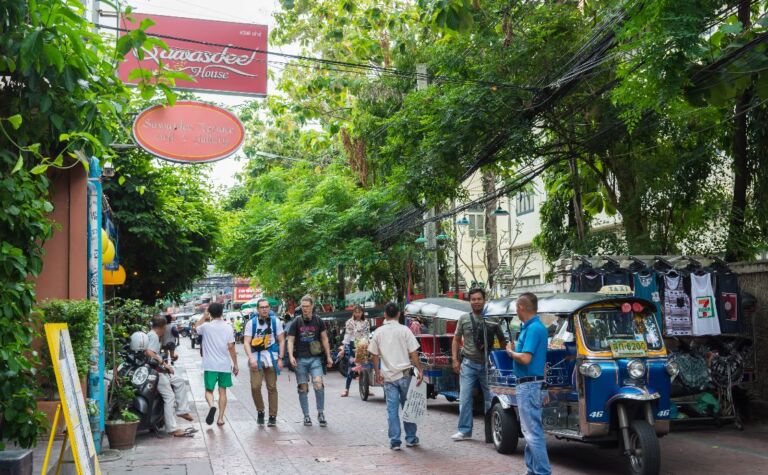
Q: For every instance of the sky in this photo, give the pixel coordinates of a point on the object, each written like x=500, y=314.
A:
x=241, y=11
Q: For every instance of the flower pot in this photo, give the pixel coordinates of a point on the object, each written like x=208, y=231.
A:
x=121, y=435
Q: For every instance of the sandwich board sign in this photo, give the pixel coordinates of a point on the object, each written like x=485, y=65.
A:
x=72, y=402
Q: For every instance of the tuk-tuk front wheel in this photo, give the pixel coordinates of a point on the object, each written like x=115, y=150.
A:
x=643, y=451
x=506, y=430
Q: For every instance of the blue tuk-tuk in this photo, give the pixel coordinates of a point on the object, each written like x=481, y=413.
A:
x=608, y=378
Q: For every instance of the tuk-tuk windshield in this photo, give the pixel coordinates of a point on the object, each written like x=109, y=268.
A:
x=603, y=326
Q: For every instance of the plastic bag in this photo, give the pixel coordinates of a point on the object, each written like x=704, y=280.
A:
x=415, y=408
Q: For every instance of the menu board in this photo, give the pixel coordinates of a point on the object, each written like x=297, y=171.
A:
x=72, y=400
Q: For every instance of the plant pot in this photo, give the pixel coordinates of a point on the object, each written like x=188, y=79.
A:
x=49, y=409
x=121, y=435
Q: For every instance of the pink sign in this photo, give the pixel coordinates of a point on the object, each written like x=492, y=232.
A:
x=212, y=57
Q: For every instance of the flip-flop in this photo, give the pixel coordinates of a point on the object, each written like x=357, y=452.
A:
x=186, y=417
x=186, y=433
x=211, y=414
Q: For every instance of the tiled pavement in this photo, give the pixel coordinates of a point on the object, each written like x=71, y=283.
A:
x=355, y=441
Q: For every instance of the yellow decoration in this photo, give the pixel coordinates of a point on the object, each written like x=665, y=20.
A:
x=113, y=277
x=108, y=253
x=104, y=240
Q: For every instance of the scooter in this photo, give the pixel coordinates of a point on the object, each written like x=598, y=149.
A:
x=147, y=403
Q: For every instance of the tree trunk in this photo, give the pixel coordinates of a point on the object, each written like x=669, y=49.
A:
x=578, y=210
x=491, y=241
x=735, y=250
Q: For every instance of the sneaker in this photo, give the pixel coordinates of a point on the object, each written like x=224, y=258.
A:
x=413, y=443
x=272, y=421
x=260, y=419
x=307, y=421
x=459, y=436
x=395, y=447
x=321, y=420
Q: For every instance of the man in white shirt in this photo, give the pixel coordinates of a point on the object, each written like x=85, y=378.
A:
x=172, y=388
x=394, y=347
x=264, y=344
x=219, y=358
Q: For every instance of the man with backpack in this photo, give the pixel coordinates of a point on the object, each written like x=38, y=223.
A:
x=474, y=333
x=307, y=343
x=264, y=343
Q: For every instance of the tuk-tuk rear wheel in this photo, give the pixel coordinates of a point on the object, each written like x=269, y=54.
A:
x=644, y=453
x=505, y=429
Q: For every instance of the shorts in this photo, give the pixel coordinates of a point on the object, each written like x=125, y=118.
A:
x=212, y=377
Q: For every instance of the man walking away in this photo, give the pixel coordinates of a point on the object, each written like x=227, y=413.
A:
x=530, y=356
x=394, y=346
x=475, y=332
x=307, y=342
x=219, y=358
x=265, y=347
x=172, y=388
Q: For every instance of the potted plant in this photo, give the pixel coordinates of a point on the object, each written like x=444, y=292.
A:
x=121, y=424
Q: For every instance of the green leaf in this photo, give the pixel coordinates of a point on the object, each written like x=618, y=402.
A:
x=732, y=28
x=15, y=121
x=121, y=180
x=19, y=164
x=37, y=170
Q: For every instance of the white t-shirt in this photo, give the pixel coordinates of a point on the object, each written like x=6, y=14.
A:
x=393, y=342
x=153, y=342
x=217, y=335
x=704, y=310
x=266, y=358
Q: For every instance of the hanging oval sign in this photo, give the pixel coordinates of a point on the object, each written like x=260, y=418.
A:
x=188, y=132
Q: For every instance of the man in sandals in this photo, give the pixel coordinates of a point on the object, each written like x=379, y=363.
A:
x=172, y=388
x=219, y=358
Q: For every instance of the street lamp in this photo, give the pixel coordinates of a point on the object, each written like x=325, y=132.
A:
x=499, y=212
x=420, y=240
x=442, y=237
x=463, y=221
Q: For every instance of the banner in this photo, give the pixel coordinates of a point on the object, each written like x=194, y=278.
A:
x=210, y=57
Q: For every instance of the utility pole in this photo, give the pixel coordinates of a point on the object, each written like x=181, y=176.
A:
x=430, y=228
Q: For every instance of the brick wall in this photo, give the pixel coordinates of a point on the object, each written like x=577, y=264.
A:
x=753, y=278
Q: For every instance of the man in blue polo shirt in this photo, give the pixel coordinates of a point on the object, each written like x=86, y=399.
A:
x=530, y=356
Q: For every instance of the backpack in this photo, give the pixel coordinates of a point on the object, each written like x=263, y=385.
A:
x=265, y=341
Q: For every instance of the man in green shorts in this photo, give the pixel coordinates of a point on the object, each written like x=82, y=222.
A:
x=219, y=358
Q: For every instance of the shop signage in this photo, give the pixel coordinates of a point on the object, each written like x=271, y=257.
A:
x=243, y=290
x=188, y=132
x=212, y=57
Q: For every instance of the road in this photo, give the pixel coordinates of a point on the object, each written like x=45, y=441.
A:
x=355, y=441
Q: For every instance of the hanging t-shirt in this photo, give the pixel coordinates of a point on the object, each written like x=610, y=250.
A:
x=728, y=298
x=590, y=281
x=647, y=288
x=677, y=307
x=617, y=277
x=704, y=309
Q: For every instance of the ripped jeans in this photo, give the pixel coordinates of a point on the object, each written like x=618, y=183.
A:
x=306, y=368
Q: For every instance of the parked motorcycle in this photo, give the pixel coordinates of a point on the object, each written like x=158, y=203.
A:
x=143, y=374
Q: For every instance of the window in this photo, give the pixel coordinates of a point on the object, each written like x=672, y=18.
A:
x=524, y=203
x=476, y=225
x=529, y=280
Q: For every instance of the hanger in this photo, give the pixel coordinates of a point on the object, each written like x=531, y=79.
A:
x=638, y=264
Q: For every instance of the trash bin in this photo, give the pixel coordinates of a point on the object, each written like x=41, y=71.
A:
x=16, y=462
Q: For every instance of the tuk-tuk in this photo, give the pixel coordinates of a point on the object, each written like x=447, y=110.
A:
x=439, y=318
x=608, y=378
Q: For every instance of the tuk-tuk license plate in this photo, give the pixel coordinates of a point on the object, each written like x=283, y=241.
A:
x=628, y=349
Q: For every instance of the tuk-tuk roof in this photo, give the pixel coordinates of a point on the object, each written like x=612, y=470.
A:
x=448, y=313
x=498, y=307
x=574, y=301
x=432, y=307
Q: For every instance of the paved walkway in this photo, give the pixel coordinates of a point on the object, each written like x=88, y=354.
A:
x=355, y=441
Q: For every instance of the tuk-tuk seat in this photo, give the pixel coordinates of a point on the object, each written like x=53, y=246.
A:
x=427, y=343
x=502, y=361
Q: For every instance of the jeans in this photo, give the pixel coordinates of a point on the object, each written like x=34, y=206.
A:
x=349, y=354
x=396, y=392
x=306, y=367
x=471, y=373
x=529, y=403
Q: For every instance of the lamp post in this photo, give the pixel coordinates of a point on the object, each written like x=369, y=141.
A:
x=461, y=222
x=502, y=212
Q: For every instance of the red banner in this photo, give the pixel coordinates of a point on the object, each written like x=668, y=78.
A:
x=243, y=294
x=189, y=132
x=211, y=58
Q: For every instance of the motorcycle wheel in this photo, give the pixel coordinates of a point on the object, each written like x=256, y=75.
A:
x=506, y=431
x=644, y=453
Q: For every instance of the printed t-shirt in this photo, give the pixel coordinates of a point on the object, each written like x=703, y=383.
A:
x=264, y=356
x=704, y=313
x=729, y=304
x=393, y=343
x=305, y=332
x=217, y=335
x=677, y=307
x=533, y=340
x=647, y=288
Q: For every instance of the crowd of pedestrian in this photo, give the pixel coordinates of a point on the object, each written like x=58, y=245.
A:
x=302, y=340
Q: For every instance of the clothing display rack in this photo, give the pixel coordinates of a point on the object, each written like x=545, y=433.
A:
x=698, y=308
